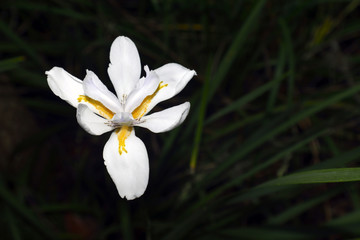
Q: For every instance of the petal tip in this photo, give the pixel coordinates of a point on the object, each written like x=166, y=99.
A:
x=64, y=85
x=131, y=196
x=52, y=69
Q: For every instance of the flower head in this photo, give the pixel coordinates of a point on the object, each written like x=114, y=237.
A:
x=100, y=111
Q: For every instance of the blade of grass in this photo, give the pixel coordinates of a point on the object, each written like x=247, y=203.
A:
x=291, y=147
x=238, y=42
x=10, y=63
x=354, y=195
x=291, y=60
x=24, y=212
x=125, y=221
x=14, y=229
x=347, y=219
x=61, y=11
x=348, y=223
x=301, y=207
x=251, y=145
x=278, y=75
x=243, y=100
x=333, y=148
x=180, y=230
x=339, y=160
x=270, y=233
x=4, y=28
x=317, y=176
x=297, y=144
x=200, y=122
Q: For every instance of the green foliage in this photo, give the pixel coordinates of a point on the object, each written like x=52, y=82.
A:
x=270, y=149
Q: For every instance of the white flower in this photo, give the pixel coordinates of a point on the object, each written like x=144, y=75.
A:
x=100, y=111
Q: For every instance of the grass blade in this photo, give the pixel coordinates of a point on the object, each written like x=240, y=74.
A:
x=317, y=176
x=200, y=123
x=291, y=60
x=25, y=212
x=278, y=75
x=300, y=208
x=251, y=145
x=235, y=47
x=22, y=44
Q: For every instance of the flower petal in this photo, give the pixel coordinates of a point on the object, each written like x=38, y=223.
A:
x=129, y=170
x=64, y=85
x=145, y=87
x=174, y=77
x=91, y=122
x=125, y=67
x=96, y=90
x=165, y=120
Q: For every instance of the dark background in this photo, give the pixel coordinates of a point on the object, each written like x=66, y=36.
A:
x=277, y=92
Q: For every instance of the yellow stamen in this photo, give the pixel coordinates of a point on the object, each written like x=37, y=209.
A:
x=123, y=133
x=141, y=109
x=103, y=111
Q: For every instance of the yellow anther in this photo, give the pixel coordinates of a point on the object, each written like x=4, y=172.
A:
x=123, y=133
x=141, y=109
x=103, y=111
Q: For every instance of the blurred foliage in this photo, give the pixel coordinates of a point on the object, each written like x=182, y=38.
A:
x=269, y=151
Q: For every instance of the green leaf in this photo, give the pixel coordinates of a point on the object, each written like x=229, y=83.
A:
x=236, y=105
x=13, y=225
x=264, y=233
x=11, y=63
x=253, y=142
x=278, y=75
x=9, y=33
x=337, y=161
x=297, y=209
x=238, y=42
x=288, y=45
x=200, y=123
x=317, y=176
x=25, y=212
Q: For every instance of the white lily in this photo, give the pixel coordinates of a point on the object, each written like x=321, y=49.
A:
x=100, y=111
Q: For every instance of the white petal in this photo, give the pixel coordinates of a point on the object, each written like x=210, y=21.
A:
x=64, y=85
x=146, y=86
x=91, y=122
x=95, y=89
x=125, y=67
x=129, y=171
x=176, y=77
x=167, y=119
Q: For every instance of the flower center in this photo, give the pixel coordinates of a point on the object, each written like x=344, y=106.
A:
x=120, y=119
x=123, y=133
x=103, y=111
x=142, y=108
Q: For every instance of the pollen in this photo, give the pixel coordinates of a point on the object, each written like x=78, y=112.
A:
x=142, y=108
x=103, y=111
x=123, y=133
